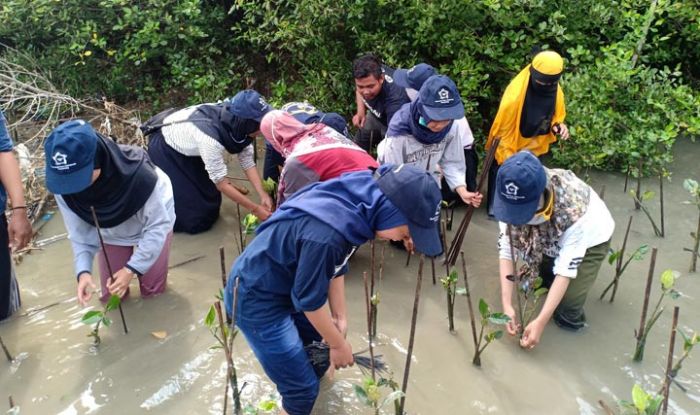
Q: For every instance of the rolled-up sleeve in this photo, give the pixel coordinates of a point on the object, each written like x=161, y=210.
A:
x=316, y=266
x=246, y=157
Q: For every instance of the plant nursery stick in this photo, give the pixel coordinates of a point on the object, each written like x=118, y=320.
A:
x=627, y=178
x=432, y=267
x=643, y=320
x=408, y=258
x=669, y=362
x=185, y=262
x=368, y=305
x=661, y=203
x=618, y=265
x=222, y=261
x=381, y=262
x=109, y=267
x=412, y=335
x=373, y=303
x=637, y=203
x=472, y=321
x=8, y=356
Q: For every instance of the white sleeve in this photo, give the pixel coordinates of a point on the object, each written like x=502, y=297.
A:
x=212, y=153
x=464, y=132
x=452, y=162
x=83, y=238
x=246, y=157
x=572, y=249
x=392, y=151
x=504, y=251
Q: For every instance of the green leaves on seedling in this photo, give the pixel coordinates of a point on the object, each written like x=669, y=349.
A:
x=668, y=279
x=99, y=317
x=369, y=393
x=643, y=403
x=488, y=317
x=449, y=281
x=263, y=407
x=270, y=186
x=694, y=189
x=689, y=341
x=250, y=224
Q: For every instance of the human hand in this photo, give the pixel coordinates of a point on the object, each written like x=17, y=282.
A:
x=513, y=325
x=266, y=201
x=532, y=334
x=341, y=356
x=85, y=288
x=358, y=120
x=261, y=212
x=472, y=198
x=562, y=130
x=19, y=230
x=120, y=282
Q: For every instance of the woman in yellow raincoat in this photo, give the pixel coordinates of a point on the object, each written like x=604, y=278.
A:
x=531, y=113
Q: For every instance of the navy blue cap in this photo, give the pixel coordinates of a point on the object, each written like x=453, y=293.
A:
x=519, y=184
x=416, y=194
x=414, y=77
x=249, y=104
x=335, y=121
x=440, y=99
x=70, y=157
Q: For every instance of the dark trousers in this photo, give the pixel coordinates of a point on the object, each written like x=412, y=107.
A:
x=9, y=289
x=273, y=163
x=197, y=200
x=371, y=134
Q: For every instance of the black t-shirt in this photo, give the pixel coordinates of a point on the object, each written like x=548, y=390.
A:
x=389, y=99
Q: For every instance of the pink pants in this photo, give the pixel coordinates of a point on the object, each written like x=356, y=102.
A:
x=151, y=283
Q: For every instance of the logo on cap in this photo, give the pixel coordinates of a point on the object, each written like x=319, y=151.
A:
x=436, y=217
x=61, y=161
x=444, y=96
x=512, y=191
x=263, y=103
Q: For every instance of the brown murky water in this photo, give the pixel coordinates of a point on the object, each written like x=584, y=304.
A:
x=57, y=373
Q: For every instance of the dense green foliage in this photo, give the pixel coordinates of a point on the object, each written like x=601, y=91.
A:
x=167, y=51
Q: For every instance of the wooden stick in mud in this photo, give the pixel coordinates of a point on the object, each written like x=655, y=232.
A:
x=8, y=356
x=456, y=245
x=408, y=258
x=449, y=291
x=606, y=408
x=661, y=203
x=240, y=228
x=381, y=262
x=412, y=335
x=12, y=401
x=472, y=321
x=696, y=247
x=368, y=304
x=637, y=205
x=618, y=265
x=627, y=177
x=647, y=291
x=432, y=267
x=109, y=267
x=372, y=306
x=231, y=376
x=222, y=262
x=669, y=363
x=187, y=261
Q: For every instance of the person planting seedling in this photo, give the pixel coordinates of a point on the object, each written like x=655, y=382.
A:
x=291, y=283
x=561, y=229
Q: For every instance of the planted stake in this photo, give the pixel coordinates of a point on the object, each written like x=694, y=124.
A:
x=187, y=261
x=408, y=257
x=472, y=321
x=669, y=362
x=368, y=305
x=372, y=303
x=637, y=204
x=449, y=289
x=381, y=262
x=661, y=203
x=8, y=356
x=412, y=335
x=109, y=267
x=694, y=261
x=222, y=259
x=432, y=266
x=241, y=247
x=627, y=178
x=231, y=376
x=12, y=402
x=456, y=246
x=641, y=337
x=618, y=265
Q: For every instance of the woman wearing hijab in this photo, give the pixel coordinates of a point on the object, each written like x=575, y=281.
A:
x=429, y=133
x=312, y=153
x=531, y=112
x=290, y=283
x=189, y=146
x=133, y=202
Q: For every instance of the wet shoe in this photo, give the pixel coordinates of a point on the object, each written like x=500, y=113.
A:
x=569, y=324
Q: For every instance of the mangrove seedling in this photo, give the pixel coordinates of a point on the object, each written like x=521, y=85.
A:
x=646, y=196
x=689, y=341
x=449, y=283
x=667, y=279
x=529, y=293
x=225, y=336
x=249, y=224
x=265, y=406
x=99, y=317
x=620, y=267
x=270, y=187
x=488, y=317
x=370, y=394
x=643, y=402
x=694, y=189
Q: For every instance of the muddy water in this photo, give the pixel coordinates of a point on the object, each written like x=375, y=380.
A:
x=58, y=373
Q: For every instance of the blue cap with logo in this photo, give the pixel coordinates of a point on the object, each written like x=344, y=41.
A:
x=519, y=184
x=414, y=77
x=416, y=194
x=440, y=99
x=70, y=155
x=335, y=121
x=249, y=104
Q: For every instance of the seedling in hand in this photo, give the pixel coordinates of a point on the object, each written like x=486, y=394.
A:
x=487, y=317
x=529, y=293
x=99, y=317
x=270, y=187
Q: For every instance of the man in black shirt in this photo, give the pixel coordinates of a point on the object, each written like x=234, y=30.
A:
x=378, y=98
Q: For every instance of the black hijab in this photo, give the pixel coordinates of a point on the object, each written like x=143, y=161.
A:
x=539, y=105
x=126, y=181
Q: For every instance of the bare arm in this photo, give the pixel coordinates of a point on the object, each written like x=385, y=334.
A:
x=505, y=269
x=341, y=351
x=358, y=119
x=232, y=193
x=19, y=229
x=254, y=179
x=533, y=331
x=336, y=300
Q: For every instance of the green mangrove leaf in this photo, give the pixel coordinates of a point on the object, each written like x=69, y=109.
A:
x=674, y=294
x=113, y=303
x=668, y=278
x=362, y=395
x=498, y=334
x=483, y=308
x=541, y=291
x=376, y=299
x=106, y=321
x=691, y=186
x=654, y=404
x=648, y=195
x=640, y=398
x=210, y=318
x=498, y=318
x=267, y=405
x=270, y=186
x=538, y=283
x=613, y=257
x=92, y=317
x=638, y=255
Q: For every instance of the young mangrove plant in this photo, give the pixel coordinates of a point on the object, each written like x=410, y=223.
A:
x=639, y=200
x=694, y=189
x=99, y=317
x=449, y=283
x=488, y=317
x=270, y=187
x=667, y=279
x=529, y=293
x=370, y=394
x=689, y=341
x=248, y=225
x=264, y=406
x=643, y=403
x=617, y=257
